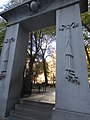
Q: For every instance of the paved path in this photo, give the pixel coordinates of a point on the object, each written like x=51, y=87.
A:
x=47, y=97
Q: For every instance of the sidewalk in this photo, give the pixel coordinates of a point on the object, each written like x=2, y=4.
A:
x=47, y=97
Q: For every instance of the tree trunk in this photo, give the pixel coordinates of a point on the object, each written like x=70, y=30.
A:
x=87, y=54
x=87, y=27
x=45, y=71
x=32, y=60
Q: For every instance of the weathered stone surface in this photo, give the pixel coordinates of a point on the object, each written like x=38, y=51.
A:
x=71, y=96
x=68, y=115
x=31, y=110
x=10, y=86
x=72, y=88
x=46, y=12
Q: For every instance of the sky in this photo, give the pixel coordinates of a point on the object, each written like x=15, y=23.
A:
x=2, y=2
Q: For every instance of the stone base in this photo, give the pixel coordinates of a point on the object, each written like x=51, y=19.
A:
x=11, y=105
x=3, y=104
x=6, y=106
x=68, y=115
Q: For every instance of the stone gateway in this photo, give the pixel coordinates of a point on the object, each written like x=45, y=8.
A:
x=72, y=89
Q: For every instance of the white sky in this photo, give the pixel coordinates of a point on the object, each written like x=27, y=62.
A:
x=3, y=2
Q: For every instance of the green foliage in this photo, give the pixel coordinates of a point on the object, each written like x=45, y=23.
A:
x=86, y=25
x=2, y=31
x=39, y=67
x=86, y=18
x=37, y=47
x=49, y=30
x=86, y=35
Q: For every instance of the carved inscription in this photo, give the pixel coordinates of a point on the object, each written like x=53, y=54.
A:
x=73, y=25
x=5, y=61
x=69, y=67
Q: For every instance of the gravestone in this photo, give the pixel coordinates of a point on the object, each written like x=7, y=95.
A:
x=72, y=89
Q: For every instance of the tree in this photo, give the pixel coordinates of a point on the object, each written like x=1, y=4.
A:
x=32, y=51
x=39, y=49
x=86, y=31
x=46, y=50
x=12, y=3
x=3, y=24
x=86, y=35
x=35, y=44
x=52, y=68
x=37, y=70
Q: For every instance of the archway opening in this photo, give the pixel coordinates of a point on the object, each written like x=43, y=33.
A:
x=39, y=75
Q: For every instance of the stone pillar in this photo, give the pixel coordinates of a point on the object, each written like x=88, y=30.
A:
x=72, y=89
x=11, y=70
